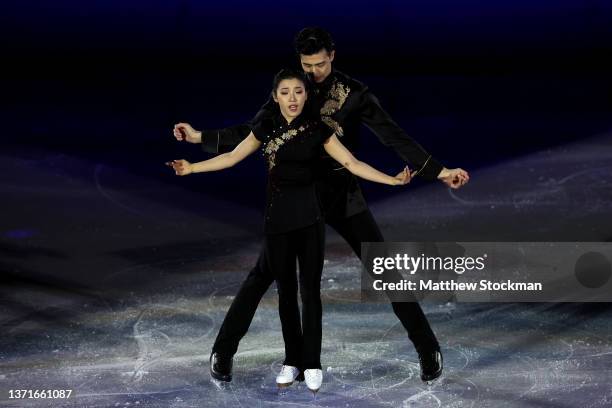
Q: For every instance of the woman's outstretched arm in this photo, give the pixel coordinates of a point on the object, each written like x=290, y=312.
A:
x=223, y=161
x=342, y=155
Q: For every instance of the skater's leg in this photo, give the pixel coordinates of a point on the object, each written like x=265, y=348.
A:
x=363, y=228
x=281, y=254
x=243, y=307
x=310, y=257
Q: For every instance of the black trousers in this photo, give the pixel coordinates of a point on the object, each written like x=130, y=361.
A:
x=355, y=229
x=302, y=341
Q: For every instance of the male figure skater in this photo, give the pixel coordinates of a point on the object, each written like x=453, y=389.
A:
x=344, y=104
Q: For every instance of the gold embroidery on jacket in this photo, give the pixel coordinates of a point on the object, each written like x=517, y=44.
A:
x=333, y=124
x=336, y=96
x=273, y=145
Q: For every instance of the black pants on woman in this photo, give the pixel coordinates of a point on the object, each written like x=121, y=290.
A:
x=302, y=342
x=355, y=229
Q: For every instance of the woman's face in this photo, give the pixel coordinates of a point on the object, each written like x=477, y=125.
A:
x=291, y=97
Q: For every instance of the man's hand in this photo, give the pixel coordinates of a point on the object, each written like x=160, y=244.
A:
x=454, y=178
x=181, y=167
x=184, y=131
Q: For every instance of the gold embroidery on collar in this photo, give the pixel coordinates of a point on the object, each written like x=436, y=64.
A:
x=336, y=96
x=273, y=145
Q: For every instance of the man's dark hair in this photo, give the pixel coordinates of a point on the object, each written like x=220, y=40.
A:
x=288, y=73
x=311, y=40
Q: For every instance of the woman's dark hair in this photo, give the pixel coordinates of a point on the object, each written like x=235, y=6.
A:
x=288, y=73
x=311, y=40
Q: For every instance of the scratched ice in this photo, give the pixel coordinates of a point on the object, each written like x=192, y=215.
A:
x=138, y=330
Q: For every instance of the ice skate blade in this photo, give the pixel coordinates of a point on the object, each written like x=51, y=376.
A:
x=221, y=385
x=432, y=382
x=284, y=385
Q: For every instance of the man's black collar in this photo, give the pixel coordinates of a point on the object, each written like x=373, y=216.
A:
x=327, y=83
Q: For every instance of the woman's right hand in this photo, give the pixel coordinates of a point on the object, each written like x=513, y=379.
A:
x=184, y=131
x=403, y=177
x=181, y=167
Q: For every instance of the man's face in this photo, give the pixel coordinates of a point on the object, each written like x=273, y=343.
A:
x=319, y=65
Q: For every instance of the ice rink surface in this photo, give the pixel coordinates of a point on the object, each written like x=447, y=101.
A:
x=115, y=286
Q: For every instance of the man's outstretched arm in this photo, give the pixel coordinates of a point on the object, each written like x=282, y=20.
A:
x=392, y=135
x=222, y=140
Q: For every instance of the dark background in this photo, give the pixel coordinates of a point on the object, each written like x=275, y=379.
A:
x=475, y=82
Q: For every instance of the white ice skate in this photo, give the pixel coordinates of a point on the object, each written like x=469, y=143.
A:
x=314, y=379
x=287, y=375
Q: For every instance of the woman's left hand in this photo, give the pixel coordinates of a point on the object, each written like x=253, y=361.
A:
x=181, y=167
x=403, y=177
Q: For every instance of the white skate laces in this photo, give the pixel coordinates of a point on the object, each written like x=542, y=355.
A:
x=287, y=376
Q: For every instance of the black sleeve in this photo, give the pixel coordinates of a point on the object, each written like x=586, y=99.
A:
x=325, y=132
x=262, y=128
x=393, y=136
x=225, y=140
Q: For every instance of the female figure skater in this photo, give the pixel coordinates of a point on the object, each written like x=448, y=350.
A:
x=294, y=228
